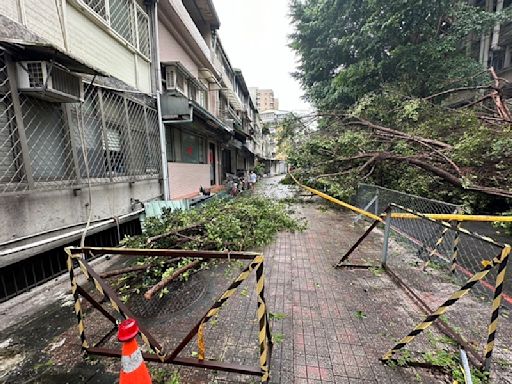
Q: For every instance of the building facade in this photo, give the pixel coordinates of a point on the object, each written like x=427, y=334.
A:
x=106, y=105
x=80, y=136
x=209, y=117
x=493, y=48
x=265, y=99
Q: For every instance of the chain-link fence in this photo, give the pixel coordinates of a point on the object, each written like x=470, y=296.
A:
x=375, y=199
x=434, y=245
x=434, y=259
x=112, y=136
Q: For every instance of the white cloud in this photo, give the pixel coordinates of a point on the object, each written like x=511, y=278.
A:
x=255, y=36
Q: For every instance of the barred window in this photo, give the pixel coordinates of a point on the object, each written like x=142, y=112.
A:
x=98, y=7
x=127, y=19
x=143, y=32
x=48, y=140
x=122, y=19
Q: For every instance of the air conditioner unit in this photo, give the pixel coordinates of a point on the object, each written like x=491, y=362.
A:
x=49, y=81
x=230, y=123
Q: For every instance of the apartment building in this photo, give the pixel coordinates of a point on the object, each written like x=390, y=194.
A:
x=80, y=134
x=275, y=160
x=494, y=46
x=265, y=99
x=207, y=111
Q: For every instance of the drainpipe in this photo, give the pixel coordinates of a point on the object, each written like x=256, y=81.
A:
x=497, y=27
x=158, y=90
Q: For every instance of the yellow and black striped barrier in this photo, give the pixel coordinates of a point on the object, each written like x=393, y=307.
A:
x=264, y=328
x=456, y=296
x=77, y=305
x=103, y=288
x=455, y=254
x=496, y=305
x=105, y=292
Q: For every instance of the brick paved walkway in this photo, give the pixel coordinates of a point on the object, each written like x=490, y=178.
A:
x=338, y=322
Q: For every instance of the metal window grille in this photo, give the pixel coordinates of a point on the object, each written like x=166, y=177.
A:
x=143, y=32
x=122, y=18
x=126, y=19
x=98, y=7
x=12, y=173
x=48, y=142
x=111, y=136
x=35, y=75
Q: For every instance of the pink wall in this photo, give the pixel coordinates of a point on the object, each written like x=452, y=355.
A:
x=171, y=50
x=185, y=179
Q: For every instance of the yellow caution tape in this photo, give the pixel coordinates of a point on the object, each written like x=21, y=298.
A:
x=339, y=202
x=453, y=217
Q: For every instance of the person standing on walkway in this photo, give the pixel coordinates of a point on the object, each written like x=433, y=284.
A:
x=252, y=179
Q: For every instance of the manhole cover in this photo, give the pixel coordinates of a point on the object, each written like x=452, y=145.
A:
x=181, y=295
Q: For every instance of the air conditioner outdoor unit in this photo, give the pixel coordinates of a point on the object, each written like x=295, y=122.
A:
x=49, y=81
x=230, y=123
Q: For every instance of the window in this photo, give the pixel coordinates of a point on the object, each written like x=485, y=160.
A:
x=121, y=18
x=126, y=19
x=202, y=99
x=143, y=32
x=98, y=7
x=192, y=149
x=93, y=136
x=192, y=91
x=185, y=147
x=170, y=78
x=114, y=141
x=180, y=82
x=48, y=140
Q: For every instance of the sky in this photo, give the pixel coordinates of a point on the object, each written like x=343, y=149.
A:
x=254, y=34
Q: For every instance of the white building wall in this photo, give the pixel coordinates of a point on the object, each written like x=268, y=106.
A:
x=42, y=18
x=9, y=8
x=88, y=39
x=171, y=50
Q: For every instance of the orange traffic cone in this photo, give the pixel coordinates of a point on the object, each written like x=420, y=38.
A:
x=133, y=368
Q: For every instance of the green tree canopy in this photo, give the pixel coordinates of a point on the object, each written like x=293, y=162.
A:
x=348, y=48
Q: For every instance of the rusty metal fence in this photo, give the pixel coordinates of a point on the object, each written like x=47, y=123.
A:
x=112, y=136
x=98, y=306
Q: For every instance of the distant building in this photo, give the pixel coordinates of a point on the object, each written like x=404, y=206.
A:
x=265, y=99
x=493, y=48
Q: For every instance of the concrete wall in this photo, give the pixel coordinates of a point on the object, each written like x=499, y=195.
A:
x=171, y=50
x=83, y=36
x=186, y=179
x=26, y=214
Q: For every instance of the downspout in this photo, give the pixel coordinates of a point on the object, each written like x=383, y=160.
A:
x=497, y=27
x=158, y=90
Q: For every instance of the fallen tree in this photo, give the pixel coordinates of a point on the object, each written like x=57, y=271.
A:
x=242, y=223
x=452, y=152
